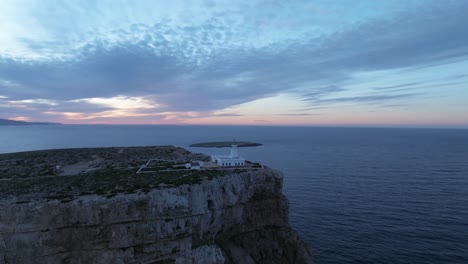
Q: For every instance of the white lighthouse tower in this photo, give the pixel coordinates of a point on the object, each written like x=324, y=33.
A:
x=232, y=160
x=234, y=152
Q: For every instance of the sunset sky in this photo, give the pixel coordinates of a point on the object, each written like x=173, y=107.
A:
x=313, y=62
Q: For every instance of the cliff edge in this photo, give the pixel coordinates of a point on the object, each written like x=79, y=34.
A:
x=233, y=216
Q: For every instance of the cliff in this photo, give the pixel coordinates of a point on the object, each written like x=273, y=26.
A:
x=239, y=217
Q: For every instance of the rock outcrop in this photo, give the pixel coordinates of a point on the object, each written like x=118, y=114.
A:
x=238, y=218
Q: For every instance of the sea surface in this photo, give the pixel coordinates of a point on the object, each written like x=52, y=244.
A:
x=357, y=195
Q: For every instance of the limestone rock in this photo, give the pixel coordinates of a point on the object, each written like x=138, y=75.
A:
x=238, y=218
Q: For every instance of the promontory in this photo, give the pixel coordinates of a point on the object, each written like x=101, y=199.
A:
x=141, y=205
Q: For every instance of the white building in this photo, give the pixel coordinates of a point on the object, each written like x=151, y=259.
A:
x=195, y=165
x=232, y=160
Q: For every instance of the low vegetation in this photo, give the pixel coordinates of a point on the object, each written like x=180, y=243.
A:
x=105, y=183
x=32, y=174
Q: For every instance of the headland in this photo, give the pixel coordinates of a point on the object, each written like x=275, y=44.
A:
x=90, y=206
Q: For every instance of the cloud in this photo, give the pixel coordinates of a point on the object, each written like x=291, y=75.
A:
x=393, y=105
x=33, y=102
x=227, y=114
x=321, y=91
x=399, y=86
x=299, y=114
x=457, y=76
x=149, y=69
x=119, y=102
x=366, y=98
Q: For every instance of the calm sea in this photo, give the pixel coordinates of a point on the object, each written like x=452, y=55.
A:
x=358, y=195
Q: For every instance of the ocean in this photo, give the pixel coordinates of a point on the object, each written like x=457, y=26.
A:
x=357, y=195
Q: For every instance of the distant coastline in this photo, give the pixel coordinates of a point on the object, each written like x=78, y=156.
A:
x=8, y=122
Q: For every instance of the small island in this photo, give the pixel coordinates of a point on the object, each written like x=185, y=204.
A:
x=224, y=144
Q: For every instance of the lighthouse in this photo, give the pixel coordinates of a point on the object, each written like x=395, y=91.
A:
x=234, y=152
x=231, y=160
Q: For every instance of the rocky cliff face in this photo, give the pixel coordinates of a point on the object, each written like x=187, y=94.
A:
x=238, y=218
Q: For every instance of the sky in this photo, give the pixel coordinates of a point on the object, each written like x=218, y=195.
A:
x=311, y=62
